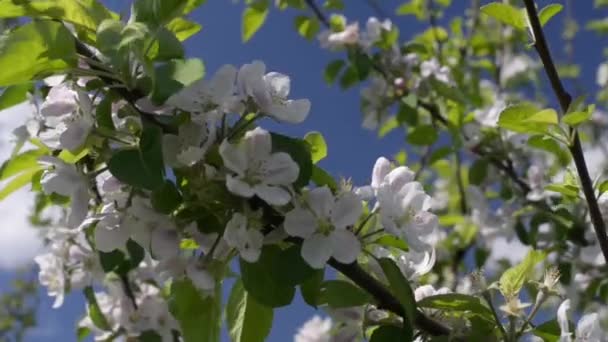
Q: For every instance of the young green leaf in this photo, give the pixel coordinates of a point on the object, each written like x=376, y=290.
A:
x=18, y=182
x=318, y=147
x=549, y=12
x=576, y=118
x=458, y=303
x=95, y=313
x=423, y=135
x=307, y=27
x=248, y=321
x=342, y=294
x=506, y=14
x=254, y=17
x=14, y=95
x=200, y=319
x=513, y=279
x=172, y=76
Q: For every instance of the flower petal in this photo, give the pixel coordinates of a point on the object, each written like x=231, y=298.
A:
x=280, y=169
x=278, y=83
x=259, y=144
x=234, y=157
x=107, y=240
x=273, y=195
x=562, y=317
x=238, y=187
x=345, y=246
x=290, y=111
x=346, y=211
x=300, y=222
x=79, y=207
x=381, y=170
x=321, y=201
x=316, y=250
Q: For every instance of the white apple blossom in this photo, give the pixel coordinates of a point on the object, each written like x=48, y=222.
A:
x=403, y=204
x=64, y=179
x=200, y=276
x=432, y=68
x=316, y=329
x=270, y=91
x=588, y=328
x=257, y=170
x=52, y=276
x=205, y=95
x=373, y=31
x=602, y=75
x=245, y=237
x=191, y=143
x=324, y=222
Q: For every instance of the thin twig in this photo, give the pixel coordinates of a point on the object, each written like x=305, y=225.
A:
x=576, y=149
x=318, y=13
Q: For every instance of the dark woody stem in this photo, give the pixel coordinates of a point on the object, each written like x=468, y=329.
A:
x=576, y=149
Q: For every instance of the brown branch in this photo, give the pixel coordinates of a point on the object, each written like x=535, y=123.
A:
x=318, y=13
x=541, y=46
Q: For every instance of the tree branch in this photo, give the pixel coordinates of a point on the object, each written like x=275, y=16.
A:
x=318, y=13
x=576, y=149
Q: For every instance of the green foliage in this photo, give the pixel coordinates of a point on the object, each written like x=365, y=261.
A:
x=320, y=177
x=342, y=294
x=423, y=135
x=306, y=26
x=391, y=241
x=332, y=70
x=172, y=76
x=387, y=333
x=254, y=17
x=548, y=12
x=513, y=279
x=141, y=167
x=310, y=289
x=400, y=287
x=248, y=321
x=158, y=12
x=14, y=95
x=166, y=198
x=262, y=281
x=527, y=118
x=548, y=331
x=506, y=14
x=478, y=171
x=200, y=318
x=35, y=50
x=456, y=302
x=413, y=7
x=318, y=147
x=95, y=313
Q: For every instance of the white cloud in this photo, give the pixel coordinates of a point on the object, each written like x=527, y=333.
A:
x=19, y=241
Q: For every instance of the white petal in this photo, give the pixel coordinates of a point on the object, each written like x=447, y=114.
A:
x=79, y=207
x=278, y=83
x=76, y=134
x=238, y=187
x=381, y=170
x=321, y=201
x=222, y=83
x=273, y=195
x=300, y=222
x=107, y=240
x=290, y=111
x=164, y=244
x=399, y=177
x=259, y=144
x=588, y=328
x=234, y=157
x=562, y=317
x=345, y=245
x=280, y=169
x=60, y=100
x=235, y=228
x=201, y=278
x=191, y=155
x=316, y=250
x=251, y=251
x=346, y=210
x=250, y=76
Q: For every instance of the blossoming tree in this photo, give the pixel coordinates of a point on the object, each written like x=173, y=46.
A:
x=159, y=184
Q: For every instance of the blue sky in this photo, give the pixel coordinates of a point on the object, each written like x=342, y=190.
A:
x=335, y=113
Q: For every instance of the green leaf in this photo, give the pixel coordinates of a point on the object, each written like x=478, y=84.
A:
x=392, y=241
x=82, y=333
x=72, y=158
x=84, y=13
x=299, y=151
x=165, y=46
x=95, y=313
x=320, y=177
x=254, y=17
x=548, y=144
x=332, y=70
x=166, y=198
x=413, y=7
x=318, y=147
x=310, y=289
x=576, y=118
x=260, y=279
x=157, y=12
x=423, y=135
x=18, y=182
x=478, y=171
x=567, y=190
x=548, y=331
x=290, y=268
x=549, y=12
x=182, y=28
x=400, y=287
x=14, y=95
x=387, y=333
x=35, y=50
x=457, y=302
x=603, y=187
x=25, y=161
x=141, y=167
x=342, y=294
x=307, y=27
x=248, y=321
x=506, y=14
x=527, y=118
x=200, y=319
x=513, y=279
x=172, y=76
